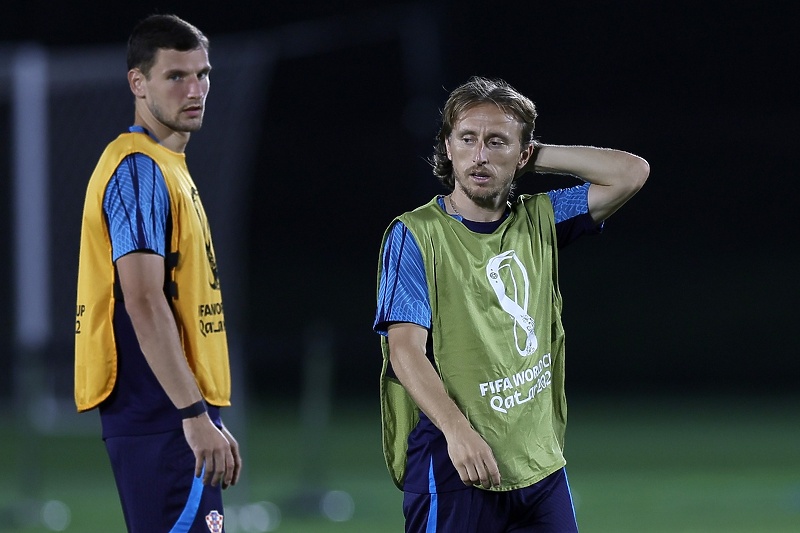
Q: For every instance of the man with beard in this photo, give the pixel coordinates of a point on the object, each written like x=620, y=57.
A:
x=147, y=277
x=472, y=388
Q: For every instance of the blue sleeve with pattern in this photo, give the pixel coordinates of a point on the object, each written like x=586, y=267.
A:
x=136, y=204
x=403, y=291
x=570, y=202
x=571, y=210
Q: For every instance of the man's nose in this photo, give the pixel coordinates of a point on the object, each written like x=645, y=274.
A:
x=197, y=88
x=479, y=156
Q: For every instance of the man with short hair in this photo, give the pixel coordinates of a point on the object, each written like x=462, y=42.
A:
x=469, y=309
x=150, y=345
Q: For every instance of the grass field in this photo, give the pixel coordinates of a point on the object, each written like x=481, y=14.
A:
x=677, y=465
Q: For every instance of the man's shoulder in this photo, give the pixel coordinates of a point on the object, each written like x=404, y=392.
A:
x=140, y=145
x=127, y=141
x=530, y=199
x=425, y=212
x=126, y=146
x=533, y=202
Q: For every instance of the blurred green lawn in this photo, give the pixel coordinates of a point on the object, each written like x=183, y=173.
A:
x=671, y=464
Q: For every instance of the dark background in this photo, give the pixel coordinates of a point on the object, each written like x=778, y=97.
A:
x=693, y=285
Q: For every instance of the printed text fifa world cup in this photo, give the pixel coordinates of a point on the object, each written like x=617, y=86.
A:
x=511, y=391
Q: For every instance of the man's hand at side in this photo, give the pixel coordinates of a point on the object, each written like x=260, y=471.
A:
x=471, y=456
x=211, y=449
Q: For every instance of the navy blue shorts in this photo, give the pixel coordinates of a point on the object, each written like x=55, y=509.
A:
x=157, y=488
x=545, y=507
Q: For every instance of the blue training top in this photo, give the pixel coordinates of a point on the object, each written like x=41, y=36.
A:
x=136, y=206
x=403, y=297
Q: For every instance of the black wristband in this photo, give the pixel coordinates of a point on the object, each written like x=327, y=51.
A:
x=196, y=409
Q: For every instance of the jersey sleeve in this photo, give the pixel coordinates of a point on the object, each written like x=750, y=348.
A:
x=136, y=205
x=571, y=210
x=403, y=289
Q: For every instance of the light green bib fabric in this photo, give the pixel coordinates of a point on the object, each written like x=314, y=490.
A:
x=498, y=342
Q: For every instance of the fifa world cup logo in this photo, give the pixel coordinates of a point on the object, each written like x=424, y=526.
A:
x=509, y=279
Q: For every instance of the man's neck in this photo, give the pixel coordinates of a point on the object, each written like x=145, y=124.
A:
x=168, y=138
x=467, y=208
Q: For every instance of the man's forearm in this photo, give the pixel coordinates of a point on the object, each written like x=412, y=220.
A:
x=421, y=381
x=160, y=343
x=141, y=277
x=601, y=166
x=615, y=176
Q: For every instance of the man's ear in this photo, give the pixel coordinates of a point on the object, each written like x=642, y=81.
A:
x=136, y=81
x=447, y=146
x=525, y=156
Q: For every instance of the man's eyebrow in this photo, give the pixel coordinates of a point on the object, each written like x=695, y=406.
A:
x=182, y=72
x=174, y=71
x=490, y=133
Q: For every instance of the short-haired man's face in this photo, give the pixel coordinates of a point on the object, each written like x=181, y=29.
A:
x=486, y=152
x=176, y=87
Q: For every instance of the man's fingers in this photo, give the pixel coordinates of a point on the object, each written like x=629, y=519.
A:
x=470, y=475
x=463, y=473
x=234, y=469
x=486, y=479
x=229, y=469
x=495, y=477
x=198, y=466
x=208, y=478
x=494, y=472
x=237, y=462
x=216, y=453
x=220, y=468
x=484, y=473
x=479, y=469
x=491, y=480
x=237, y=469
x=237, y=457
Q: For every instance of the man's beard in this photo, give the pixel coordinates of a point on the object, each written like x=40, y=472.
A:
x=483, y=196
x=175, y=124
